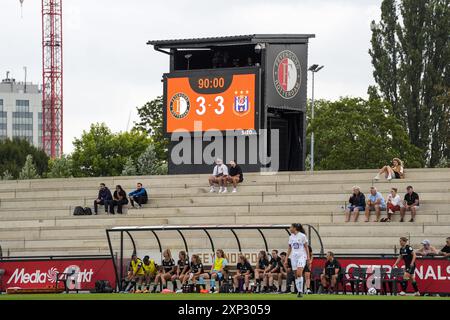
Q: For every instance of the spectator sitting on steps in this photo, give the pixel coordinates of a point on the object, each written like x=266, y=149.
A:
x=427, y=249
x=394, y=203
x=235, y=176
x=139, y=196
x=104, y=195
x=219, y=176
x=445, y=251
x=410, y=203
x=376, y=203
x=357, y=203
x=119, y=199
x=392, y=172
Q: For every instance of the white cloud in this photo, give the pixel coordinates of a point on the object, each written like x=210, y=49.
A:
x=109, y=70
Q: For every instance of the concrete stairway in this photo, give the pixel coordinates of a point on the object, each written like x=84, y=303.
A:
x=36, y=215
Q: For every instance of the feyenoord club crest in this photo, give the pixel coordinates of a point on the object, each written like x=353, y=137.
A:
x=287, y=74
x=180, y=105
x=241, y=103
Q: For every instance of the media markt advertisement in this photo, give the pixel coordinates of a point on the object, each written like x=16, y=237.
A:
x=43, y=274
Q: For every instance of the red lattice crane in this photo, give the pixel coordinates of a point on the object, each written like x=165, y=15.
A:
x=52, y=74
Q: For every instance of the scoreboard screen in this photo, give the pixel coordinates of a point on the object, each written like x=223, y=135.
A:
x=221, y=100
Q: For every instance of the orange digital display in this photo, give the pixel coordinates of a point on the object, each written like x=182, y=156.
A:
x=207, y=101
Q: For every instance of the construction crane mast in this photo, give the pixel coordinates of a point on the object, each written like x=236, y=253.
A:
x=52, y=78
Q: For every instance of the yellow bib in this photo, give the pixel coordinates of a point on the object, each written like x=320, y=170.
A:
x=137, y=267
x=218, y=264
x=150, y=268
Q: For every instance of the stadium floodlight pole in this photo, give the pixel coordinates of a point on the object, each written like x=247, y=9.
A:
x=314, y=69
x=188, y=58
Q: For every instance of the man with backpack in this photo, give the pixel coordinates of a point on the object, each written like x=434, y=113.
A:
x=104, y=195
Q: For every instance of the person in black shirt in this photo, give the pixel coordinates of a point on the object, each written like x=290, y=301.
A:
x=119, y=199
x=167, y=270
x=182, y=268
x=410, y=203
x=286, y=273
x=244, y=271
x=195, y=270
x=104, y=195
x=260, y=269
x=330, y=274
x=409, y=258
x=235, y=175
x=273, y=271
x=446, y=250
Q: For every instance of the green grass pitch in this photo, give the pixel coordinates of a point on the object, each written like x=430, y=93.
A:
x=248, y=297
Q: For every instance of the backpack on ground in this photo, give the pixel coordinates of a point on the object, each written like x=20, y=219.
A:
x=78, y=211
x=88, y=211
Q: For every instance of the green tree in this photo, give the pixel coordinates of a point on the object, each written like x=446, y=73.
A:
x=353, y=133
x=29, y=170
x=100, y=153
x=7, y=175
x=60, y=167
x=148, y=164
x=129, y=168
x=151, y=122
x=410, y=52
x=13, y=154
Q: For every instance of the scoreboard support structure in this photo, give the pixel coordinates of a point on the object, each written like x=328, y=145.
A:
x=238, y=98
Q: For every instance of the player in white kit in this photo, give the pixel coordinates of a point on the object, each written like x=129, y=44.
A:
x=299, y=253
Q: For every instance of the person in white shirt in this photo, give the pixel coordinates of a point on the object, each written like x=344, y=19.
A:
x=219, y=177
x=394, y=203
x=298, y=251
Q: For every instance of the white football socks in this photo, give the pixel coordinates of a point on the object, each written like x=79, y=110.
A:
x=299, y=284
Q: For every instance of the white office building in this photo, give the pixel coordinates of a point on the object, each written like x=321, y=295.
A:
x=21, y=111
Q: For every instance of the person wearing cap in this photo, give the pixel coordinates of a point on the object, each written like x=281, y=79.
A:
x=410, y=203
x=445, y=251
x=427, y=249
x=219, y=176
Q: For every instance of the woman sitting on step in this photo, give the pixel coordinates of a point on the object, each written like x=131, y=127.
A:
x=392, y=172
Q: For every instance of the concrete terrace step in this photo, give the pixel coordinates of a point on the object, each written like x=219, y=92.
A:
x=351, y=175
x=205, y=199
x=423, y=217
x=276, y=189
x=247, y=185
x=92, y=231
x=299, y=208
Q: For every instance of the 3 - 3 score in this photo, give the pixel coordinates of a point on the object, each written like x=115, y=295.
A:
x=201, y=108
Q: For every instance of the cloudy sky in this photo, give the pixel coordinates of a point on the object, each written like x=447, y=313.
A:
x=109, y=69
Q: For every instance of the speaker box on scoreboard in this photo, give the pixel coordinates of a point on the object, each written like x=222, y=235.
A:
x=238, y=98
